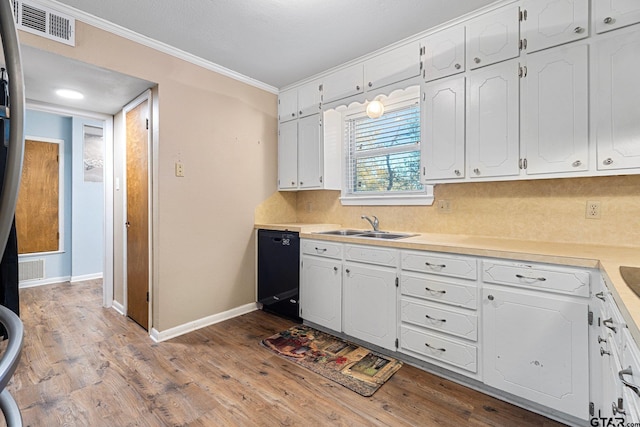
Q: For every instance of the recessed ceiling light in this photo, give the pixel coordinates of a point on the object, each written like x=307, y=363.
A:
x=69, y=94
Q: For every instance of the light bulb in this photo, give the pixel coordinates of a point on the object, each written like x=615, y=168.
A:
x=375, y=109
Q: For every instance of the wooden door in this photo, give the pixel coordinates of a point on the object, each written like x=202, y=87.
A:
x=37, y=207
x=137, y=166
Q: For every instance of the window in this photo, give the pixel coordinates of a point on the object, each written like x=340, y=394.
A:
x=383, y=156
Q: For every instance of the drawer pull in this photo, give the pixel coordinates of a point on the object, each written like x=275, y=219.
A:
x=435, y=348
x=600, y=295
x=433, y=318
x=601, y=340
x=321, y=250
x=539, y=279
x=435, y=291
x=428, y=264
x=603, y=352
x=609, y=320
x=632, y=386
x=619, y=408
x=335, y=268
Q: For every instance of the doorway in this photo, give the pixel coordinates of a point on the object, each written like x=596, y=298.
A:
x=137, y=205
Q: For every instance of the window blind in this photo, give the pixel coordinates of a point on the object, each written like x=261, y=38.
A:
x=384, y=153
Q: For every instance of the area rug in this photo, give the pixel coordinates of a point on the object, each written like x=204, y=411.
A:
x=348, y=364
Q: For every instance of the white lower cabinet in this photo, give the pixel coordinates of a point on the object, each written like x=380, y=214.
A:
x=536, y=347
x=321, y=291
x=370, y=304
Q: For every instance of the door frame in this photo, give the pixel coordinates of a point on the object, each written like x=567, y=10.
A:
x=145, y=96
x=108, y=266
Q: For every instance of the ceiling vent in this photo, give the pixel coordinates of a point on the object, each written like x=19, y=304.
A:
x=45, y=22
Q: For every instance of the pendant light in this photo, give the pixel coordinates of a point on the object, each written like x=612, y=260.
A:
x=375, y=109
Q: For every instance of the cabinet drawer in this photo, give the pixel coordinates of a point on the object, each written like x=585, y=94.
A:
x=371, y=255
x=322, y=248
x=537, y=276
x=455, y=353
x=446, y=265
x=463, y=325
x=449, y=292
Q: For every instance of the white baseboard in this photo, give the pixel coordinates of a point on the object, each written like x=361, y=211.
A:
x=118, y=307
x=86, y=277
x=41, y=282
x=158, y=336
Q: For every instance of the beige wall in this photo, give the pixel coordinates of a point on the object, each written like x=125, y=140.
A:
x=224, y=132
x=545, y=210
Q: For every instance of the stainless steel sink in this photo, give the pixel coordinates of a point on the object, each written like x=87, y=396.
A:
x=342, y=232
x=367, y=234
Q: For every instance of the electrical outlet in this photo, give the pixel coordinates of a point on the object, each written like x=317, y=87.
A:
x=179, y=169
x=444, y=206
x=593, y=210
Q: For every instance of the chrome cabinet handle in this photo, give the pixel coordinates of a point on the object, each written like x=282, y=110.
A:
x=576, y=163
x=476, y=171
x=293, y=114
x=619, y=408
x=490, y=297
x=434, y=319
x=578, y=30
x=608, y=161
x=458, y=66
x=601, y=340
x=540, y=279
x=370, y=84
x=300, y=112
x=357, y=87
x=608, y=20
x=609, y=320
x=435, y=291
x=603, y=352
x=348, y=271
x=632, y=386
x=321, y=250
x=276, y=298
x=335, y=268
x=428, y=264
x=292, y=301
x=476, y=60
x=600, y=295
x=457, y=172
x=435, y=348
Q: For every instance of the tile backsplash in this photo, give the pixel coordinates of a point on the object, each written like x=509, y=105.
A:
x=543, y=210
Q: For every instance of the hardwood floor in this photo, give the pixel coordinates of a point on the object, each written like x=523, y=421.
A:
x=84, y=365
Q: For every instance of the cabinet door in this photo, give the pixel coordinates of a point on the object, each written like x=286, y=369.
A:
x=444, y=53
x=443, y=129
x=321, y=292
x=310, y=152
x=309, y=99
x=612, y=14
x=493, y=37
x=342, y=84
x=288, y=155
x=555, y=110
x=617, y=107
x=394, y=66
x=370, y=304
x=288, y=105
x=536, y=347
x=492, y=121
x=552, y=22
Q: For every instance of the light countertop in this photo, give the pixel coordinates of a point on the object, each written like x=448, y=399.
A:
x=606, y=258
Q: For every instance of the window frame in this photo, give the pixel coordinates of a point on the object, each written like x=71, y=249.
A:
x=405, y=98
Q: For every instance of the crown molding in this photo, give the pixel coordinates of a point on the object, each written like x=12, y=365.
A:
x=108, y=26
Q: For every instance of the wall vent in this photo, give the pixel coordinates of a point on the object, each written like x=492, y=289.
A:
x=31, y=270
x=45, y=22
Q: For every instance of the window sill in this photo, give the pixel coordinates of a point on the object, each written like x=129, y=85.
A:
x=389, y=200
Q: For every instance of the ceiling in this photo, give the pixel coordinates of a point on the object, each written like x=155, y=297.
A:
x=276, y=42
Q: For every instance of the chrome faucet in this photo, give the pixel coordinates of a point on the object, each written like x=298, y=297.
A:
x=375, y=223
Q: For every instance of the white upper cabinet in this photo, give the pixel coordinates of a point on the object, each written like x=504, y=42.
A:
x=310, y=156
x=288, y=105
x=391, y=67
x=492, y=121
x=443, y=53
x=612, y=14
x=549, y=23
x=493, y=37
x=309, y=99
x=443, y=103
x=555, y=110
x=617, y=109
x=288, y=155
x=343, y=84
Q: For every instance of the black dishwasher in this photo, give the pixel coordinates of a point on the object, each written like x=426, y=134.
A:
x=278, y=272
